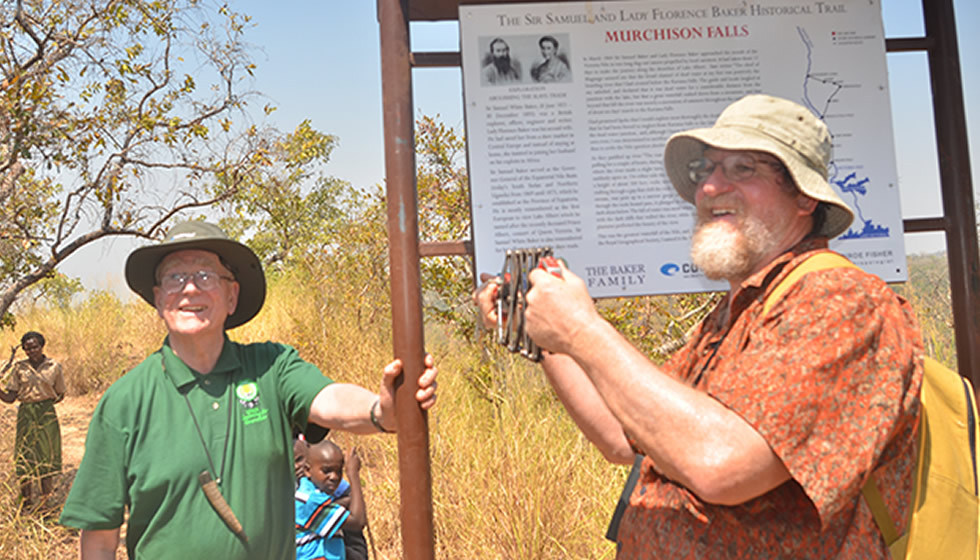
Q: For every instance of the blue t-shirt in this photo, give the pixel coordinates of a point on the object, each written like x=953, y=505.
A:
x=318, y=519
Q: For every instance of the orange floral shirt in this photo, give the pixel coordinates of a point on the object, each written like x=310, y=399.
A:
x=830, y=377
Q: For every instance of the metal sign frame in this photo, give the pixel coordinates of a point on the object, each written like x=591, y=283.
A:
x=958, y=221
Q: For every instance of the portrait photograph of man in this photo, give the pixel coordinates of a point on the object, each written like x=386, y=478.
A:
x=498, y=66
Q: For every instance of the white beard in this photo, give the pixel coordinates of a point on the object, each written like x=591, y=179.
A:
x=725, y=253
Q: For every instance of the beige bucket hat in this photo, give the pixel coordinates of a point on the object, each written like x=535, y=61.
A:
x=786, y=130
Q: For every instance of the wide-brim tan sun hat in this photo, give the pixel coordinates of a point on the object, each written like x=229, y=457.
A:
x=786, y=130
x=141, y=265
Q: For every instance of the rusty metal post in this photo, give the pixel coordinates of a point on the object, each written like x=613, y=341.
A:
x=957, y=190
x=415, y=478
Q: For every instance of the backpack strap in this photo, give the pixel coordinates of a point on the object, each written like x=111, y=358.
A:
x=823, y=261
x=819, y=261
x=878, y=510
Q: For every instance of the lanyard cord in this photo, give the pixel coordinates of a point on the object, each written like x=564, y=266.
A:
x=704, y=368
x=200, y=435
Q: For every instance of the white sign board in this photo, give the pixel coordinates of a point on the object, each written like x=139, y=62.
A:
x=568, y=106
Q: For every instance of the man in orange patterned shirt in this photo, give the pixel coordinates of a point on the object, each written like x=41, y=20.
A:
x=758, y=435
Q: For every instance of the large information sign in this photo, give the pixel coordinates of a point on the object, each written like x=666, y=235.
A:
x=568, y=106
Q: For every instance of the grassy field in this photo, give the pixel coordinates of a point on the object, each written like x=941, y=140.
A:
x=512, y=477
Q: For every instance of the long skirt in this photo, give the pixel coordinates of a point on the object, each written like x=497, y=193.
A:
x=37, y=447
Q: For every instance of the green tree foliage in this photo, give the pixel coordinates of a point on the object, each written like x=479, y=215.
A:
x=115, y=115
x=297, y=217
x=312, y=229
x=444, y=208
x=57, y=289
x=444, y=215
x=289, y=210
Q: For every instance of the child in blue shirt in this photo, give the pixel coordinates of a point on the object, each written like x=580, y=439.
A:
x=319, y=516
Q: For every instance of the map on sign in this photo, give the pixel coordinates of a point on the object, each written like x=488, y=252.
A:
x=820, y=88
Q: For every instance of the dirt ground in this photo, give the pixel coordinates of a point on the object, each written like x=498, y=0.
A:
x=73, y=415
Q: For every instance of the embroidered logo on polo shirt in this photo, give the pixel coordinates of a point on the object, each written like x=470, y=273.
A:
x=248, y=395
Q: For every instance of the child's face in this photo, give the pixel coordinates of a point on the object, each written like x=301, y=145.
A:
x=300, y=463
x=326, y=469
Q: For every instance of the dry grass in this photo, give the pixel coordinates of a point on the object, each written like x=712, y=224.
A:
x=511, y=476
x=31, y=533
x=96, y=340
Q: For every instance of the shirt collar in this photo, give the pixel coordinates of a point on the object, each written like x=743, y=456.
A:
x=754, y=287
x=181, y=375
x=44, y=363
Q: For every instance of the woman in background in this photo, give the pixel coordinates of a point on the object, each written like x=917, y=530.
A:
x=552, y=67
x=38, y=383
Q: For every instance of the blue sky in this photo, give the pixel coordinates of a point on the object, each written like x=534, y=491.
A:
x=320, y=60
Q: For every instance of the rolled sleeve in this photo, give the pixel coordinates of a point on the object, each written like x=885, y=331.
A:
x=299, y=383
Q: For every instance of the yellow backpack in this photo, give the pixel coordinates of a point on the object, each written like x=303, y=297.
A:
x=945, y=513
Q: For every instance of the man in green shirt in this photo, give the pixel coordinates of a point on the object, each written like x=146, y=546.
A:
x=195, y=441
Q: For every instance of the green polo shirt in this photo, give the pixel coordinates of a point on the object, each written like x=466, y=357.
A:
x=143, y=452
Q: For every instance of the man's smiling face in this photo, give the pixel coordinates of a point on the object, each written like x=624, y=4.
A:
x=747, y=214
x=192, y=310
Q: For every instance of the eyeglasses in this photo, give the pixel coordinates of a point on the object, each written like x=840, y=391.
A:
x=203, y=279
x=736, y=167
